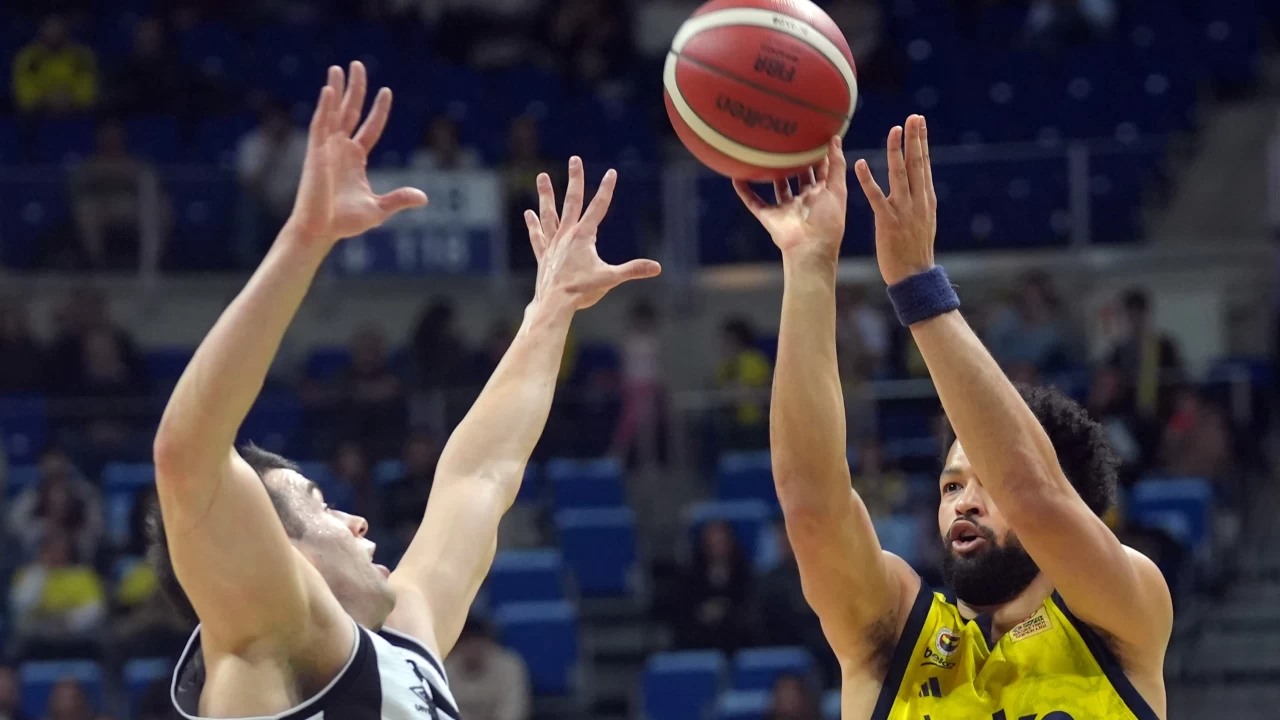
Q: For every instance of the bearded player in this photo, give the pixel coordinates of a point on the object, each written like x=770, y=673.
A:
x=296, y=621
x=1046, y=615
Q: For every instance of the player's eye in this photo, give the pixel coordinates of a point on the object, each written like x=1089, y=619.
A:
x=951, y=487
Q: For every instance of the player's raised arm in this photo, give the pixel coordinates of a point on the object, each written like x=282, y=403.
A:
x=850, y=582
x=228, y=546
x=483, y=463
x=1105, y=584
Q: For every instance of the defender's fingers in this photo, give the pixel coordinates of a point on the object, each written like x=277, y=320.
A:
x=600, y=203
x=371, y=131
x=899, y=185
x=870, y=187
x=353, y=100
x=636, y=270
x=572, y=210
x=320, y=118
x=750, y=198
x=547, y=206
x=401, y=199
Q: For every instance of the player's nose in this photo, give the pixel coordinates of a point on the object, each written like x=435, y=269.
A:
x=970, y=501
x=359, y=526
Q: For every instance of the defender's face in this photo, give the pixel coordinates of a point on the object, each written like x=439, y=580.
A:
x=335, y=544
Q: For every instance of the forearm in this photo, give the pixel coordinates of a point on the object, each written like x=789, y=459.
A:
x=807, y=416
x=228, y=370
x=1001, y=437
x=496, y=438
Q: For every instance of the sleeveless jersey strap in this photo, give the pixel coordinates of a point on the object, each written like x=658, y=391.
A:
x=1110, y=664
x=903, y=651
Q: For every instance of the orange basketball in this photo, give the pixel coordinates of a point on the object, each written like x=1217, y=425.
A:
x=756, y=88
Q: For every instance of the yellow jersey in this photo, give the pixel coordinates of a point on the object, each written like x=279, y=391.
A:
x=1049, y=667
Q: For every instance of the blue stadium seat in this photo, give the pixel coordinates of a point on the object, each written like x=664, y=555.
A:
x=746, y=476
x=215, y=49
x=38, y=679
x=743, y=705
x=21, y=477
x=121, y=484
x=900, y=535
x=23, y=427
x=155, y=137
x=523, y=576
x=1182, y=507
x=748, y=519
x=371, y=44
x=273, y=421
x=140, y=674
x=328, y=363
x=65, y=141
x=36, y=211
x=217, y=137
x=545, y=635
x=600, y=547
x=532, y=490
x=586, y=483
x=759, y=668
x=165, y=365
x=682, y=685
x=831, y=705
x=10, y=141
x=387, y=472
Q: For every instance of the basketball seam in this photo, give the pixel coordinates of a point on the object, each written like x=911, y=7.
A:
x=756, y=86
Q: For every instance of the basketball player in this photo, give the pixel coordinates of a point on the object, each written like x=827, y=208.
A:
x=296, y=621
x=1045, y=615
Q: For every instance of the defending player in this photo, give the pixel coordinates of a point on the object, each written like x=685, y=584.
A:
x=1046, y=615
x=296, y=620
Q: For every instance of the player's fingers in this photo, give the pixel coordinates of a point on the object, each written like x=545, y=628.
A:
x=824, y=169
x=600, y=203
x=838, y=172
x=870, y=187
x=930, y=193
x=636, y=270
x=915, y=157
x=401, y=199
x=899, y=185
x=536, y=237
x=753, y=201
x=547, y=206
x=353, y=100
x=782, y=191
x=573, y=195
x=320, y=118
x=371, y=131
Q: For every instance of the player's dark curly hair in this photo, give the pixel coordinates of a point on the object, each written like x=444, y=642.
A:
x=1084, y=454
x=158, y=556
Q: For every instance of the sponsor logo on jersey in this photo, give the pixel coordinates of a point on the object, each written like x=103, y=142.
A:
x=946, y=641
x=753, y=118
x=1032, y=626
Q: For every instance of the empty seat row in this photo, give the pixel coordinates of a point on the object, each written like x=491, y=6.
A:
x=686, y=685
x=39, y=678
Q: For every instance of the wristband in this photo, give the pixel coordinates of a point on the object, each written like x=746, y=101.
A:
x=923, y=296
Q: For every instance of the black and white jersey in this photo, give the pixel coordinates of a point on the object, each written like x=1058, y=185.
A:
x=389, y=676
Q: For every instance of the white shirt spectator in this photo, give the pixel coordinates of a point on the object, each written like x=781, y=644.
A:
x=489, y=681
x=278, y=165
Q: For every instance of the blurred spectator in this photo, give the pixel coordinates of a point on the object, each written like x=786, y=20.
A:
x=22, y=359
x=85, y=310
x=785, y=616
x=119, y=204
x=862, y=333
x=442, y=150
x=1197, y=439
x=406, y=498
x=356, y=492
x=54, y=74
x=269, y=166
x=591, y=39
x=10, y=694
x=1052, y=24
x=489, y=681
x=643, y=387
x=108, y=385
x=1030, y=332
x=882, y=487
x=57, y=604
x=372, y=395
x=520, y=174
x=794, y=699
x=154, y=80
x=68, y=701
x=716, y=590
x=61, y=502
x=745, y=373
x=144, y=623
x=501, y=333
x=1149, y=359
x=439, y=355
x=1112, y=407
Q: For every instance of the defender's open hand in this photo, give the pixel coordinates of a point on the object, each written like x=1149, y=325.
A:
x=334, y=198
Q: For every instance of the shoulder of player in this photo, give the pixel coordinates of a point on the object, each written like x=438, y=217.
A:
x=1140, y=646
x=883, y=635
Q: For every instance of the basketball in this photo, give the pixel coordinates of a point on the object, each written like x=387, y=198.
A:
x=756, y=88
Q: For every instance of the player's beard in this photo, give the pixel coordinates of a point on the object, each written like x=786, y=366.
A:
x=993, y=575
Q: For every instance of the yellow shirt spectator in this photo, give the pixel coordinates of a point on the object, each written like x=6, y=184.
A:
x=748, y=369
x=54, y=73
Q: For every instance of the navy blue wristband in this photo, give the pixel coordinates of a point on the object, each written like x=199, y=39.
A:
x=923, y=296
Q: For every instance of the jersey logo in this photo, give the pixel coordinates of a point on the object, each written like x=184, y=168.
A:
x=1032, y=626
x=930, y=688
x=946, y=641
x=423, y=691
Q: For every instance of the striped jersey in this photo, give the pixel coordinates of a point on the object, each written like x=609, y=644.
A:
x=389, y=676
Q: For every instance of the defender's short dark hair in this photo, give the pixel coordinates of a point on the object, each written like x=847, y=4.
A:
x=1084, y=454
x=262, y=462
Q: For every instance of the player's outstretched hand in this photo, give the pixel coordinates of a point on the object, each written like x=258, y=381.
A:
x=565, y=243
x=334, y=198
x=812, y=219
x=906, y=220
